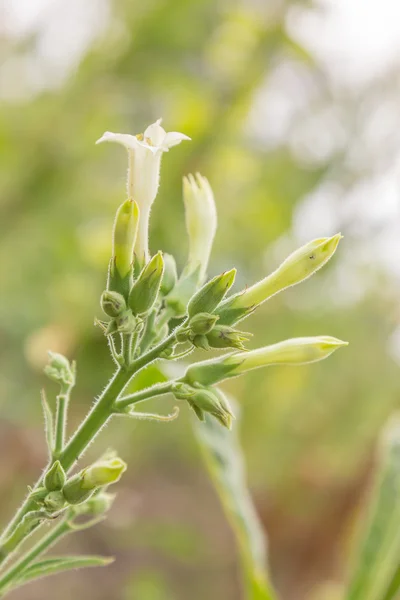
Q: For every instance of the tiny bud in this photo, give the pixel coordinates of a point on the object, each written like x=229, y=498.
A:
x=300, y=265
x=126, y=322
x=112, y=303
x=124, y=236
x=202, y=323
x=144, y=292
x=54, y=501
x=59, y=369
x=223, y=336
x=38, y=495
x=200, y=341
x=210, y=295
x=98, y=504
x=209, y=401
x=170, y=276
x=55, y=477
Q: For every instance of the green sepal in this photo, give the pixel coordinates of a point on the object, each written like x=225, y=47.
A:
x=207, y=298
x=55, y=477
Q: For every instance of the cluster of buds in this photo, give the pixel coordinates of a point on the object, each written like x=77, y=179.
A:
x=59, y=369
x=147, y=293
x=59, y=492
x=204, y=399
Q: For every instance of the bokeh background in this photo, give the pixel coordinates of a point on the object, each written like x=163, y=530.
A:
x=293, y=111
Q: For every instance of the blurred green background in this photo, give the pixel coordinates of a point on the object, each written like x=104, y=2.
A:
x=297, y=142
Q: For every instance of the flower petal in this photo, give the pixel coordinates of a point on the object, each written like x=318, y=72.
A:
x=127, y=140
x=155, y=133
x=173, y=138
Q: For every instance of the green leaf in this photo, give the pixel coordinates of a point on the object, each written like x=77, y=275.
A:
x=48, y=423
x=376, y=576
x=58, y=564
x=223, y=457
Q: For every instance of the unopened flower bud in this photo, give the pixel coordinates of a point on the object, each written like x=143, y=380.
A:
x=210, y=295
x=112, y=303
x=81, y=486
x=59, y=369
x=296, y=351
x=202, y=323
x=144, y=292
x=124, y=236
x=210, y=401
x=126, y=322
x=170, y=276
x=223, y=336
x=300, y=265
x=55, y=477
x=200, y=341
x=54, y=501
x=201, y=221
x=98, y=504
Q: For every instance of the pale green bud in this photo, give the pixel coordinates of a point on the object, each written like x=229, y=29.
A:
x=202, y=323
x=206, y=400
x=223, y=336
x=55, y=477
x=211, y=294
x=103, y=473
x=98, y=504
x=200, y=341
x=300, y=265
x=59, y=369
x=112, y=303
x=145, y=290
x=170, y=276
x=201, y=220
x=296, y=351
x=54, y=501
x=81, y=486
x=124, y=236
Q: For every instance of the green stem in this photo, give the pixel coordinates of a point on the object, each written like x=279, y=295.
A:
x=44, y=544
x=156, y=390
x=94, y=422
x=61, y=423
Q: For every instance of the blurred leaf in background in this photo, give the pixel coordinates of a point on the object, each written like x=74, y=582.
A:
x=299, y=140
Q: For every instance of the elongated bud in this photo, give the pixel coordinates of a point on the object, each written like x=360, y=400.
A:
x=170, y=276
x=59, y=369
x=296, y=351
x=55, y=477
x=210, y=295
x=144, y=292
x=112, y=303
x=201, y=221
x=223, y=336
x=124, y=236
x=300, y=265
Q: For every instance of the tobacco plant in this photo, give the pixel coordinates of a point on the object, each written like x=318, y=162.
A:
x=150, y=313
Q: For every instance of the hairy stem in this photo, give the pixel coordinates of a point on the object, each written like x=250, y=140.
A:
x=155, y=390
x=42, y=546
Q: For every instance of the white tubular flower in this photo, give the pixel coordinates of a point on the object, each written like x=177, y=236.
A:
x=201, y=221
x=144, y=160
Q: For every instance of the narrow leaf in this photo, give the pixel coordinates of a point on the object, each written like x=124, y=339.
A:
x=54, y=565
x=376, y=576
x=223, y=457
x=48, y=423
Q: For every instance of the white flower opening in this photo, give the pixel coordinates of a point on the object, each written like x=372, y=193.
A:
x=144, y=161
